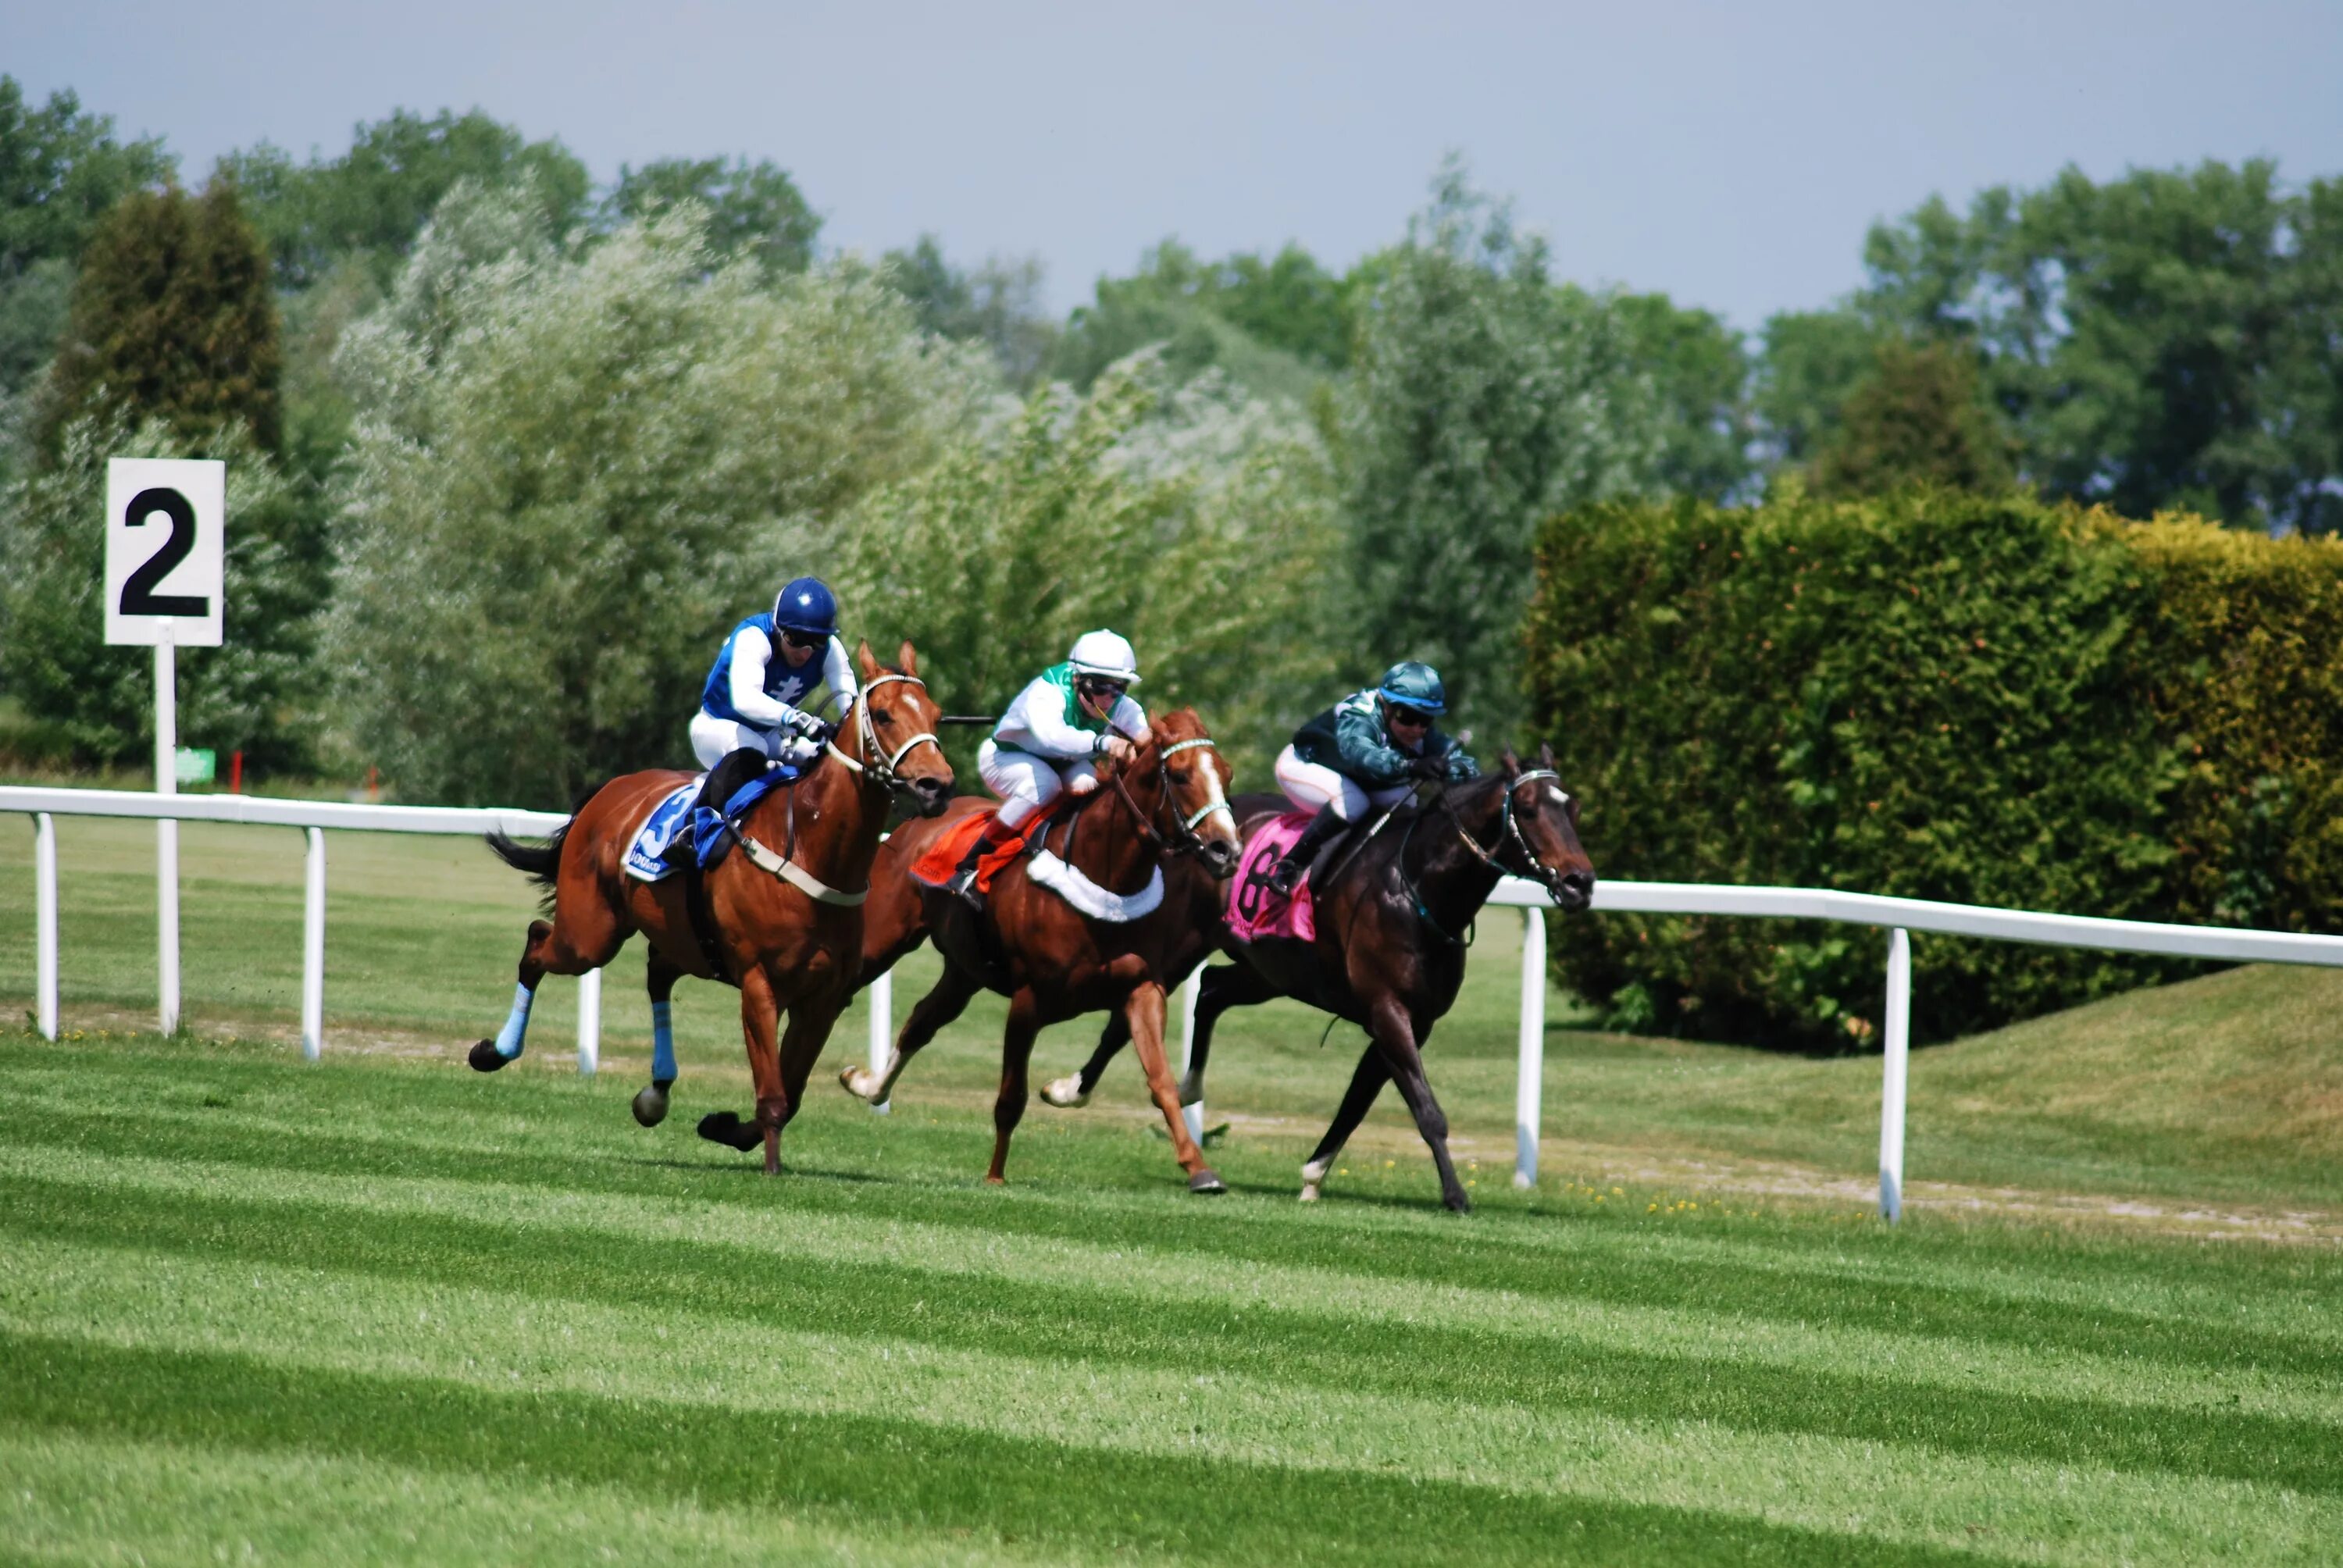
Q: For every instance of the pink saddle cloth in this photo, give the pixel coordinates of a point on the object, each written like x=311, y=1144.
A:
x=1257, y=910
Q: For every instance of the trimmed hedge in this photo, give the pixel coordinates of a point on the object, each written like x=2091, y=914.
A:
x=1985, y=699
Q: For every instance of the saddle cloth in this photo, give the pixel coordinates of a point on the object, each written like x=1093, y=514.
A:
x=941, y=861
x=646, y=860
x=942, y=858
x=1256, y=909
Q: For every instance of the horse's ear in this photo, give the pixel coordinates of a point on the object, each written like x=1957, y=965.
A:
x=863, y=661
x=1509, y=762
x=1545, y=755
x=907, y=658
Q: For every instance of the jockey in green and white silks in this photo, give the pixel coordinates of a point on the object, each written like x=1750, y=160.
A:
x=1051, y=737
x=1364, y=754
x=755, y=695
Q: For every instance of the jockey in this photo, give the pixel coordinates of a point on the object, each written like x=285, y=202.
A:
x=1365, y=753
x=768, y=667
x=1051, y=737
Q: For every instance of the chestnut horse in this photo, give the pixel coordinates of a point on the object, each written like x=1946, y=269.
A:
x=786, y=928
x=1391, y=927
x=1052, y=962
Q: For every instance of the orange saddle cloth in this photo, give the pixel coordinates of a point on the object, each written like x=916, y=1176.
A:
x=942, y=858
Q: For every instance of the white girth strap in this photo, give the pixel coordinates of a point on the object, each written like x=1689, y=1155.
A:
x=797, y=875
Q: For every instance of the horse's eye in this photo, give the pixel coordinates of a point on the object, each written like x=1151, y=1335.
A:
x=1179, y=775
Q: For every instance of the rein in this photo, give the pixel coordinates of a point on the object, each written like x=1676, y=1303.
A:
x=1509, y=829
x=1189, y=841
x=874, y=766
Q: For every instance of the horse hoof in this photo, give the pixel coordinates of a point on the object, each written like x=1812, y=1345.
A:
x=726, y=1127
x=855, y=1082
x=1310, y=1193
x=1314, y=1173
x=650, y=1104
x=1191, y=1089
x=1206, y=1182
x=1458, y=1203
x=485, y=1057
x=1066, y=1093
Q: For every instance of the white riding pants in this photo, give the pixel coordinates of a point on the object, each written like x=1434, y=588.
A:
x=1312, y=785
x=714, y=738
x=1026, y=783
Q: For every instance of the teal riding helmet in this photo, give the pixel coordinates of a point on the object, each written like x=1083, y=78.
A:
x=1413, y=684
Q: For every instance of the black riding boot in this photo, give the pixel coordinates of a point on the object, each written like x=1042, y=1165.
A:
x=962, y=885
x=1289, y=873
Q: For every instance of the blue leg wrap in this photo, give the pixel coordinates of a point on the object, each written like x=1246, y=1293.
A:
x=515, y=1032
x=662, y=1042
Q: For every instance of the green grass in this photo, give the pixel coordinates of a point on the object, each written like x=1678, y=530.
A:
x=383, y=1308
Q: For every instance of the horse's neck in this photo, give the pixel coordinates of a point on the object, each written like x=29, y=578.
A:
x=1113, y=851
x=1453, y=881
x=839, y=819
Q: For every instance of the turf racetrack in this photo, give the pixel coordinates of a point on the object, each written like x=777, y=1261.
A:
x=384, y=1308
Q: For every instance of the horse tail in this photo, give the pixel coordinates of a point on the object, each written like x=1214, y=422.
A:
x=541, y=863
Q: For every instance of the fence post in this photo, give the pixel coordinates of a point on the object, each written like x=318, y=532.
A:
x=167, y=831
x=45, y=922
x=590, y=1022
x=313, y=949
x=1528, y=1080
x=881, y=993
x=1192, y=991
x=1896, y=1061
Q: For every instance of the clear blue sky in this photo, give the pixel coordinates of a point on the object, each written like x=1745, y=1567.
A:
x=1731, y=155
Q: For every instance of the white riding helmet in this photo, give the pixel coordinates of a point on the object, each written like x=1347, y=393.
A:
x=1104, y=653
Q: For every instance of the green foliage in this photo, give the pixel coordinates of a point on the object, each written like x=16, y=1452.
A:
x=257, y=693
x=999, y=304
x=572, y=473
x=2163, y=340
x=754, y=210
x=1482, y=399
x=173, y=319
x=373, y=200
x=1700, y=369
x=1274, y=327
x=1917, y=419
x=1812, y=362
x=1929, y=695
x=1195, y=521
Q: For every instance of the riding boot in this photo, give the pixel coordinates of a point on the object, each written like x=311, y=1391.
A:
x=962, y=885
x=1296, y=863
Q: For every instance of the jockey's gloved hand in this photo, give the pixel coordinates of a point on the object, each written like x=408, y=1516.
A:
x=806, y=724
x=1432, y=770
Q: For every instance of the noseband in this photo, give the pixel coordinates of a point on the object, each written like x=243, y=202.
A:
x=1510, y=829
x=868, y=757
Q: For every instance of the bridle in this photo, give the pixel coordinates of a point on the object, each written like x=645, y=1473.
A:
x=1184, y=839
x=1509, y=832
x=868, y=757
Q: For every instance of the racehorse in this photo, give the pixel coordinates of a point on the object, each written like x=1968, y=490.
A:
x=1393, y=924
x=1167, y=805
x=784, y=926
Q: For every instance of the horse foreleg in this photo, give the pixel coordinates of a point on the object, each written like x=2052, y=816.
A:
x=1144, y=1009
x=1395, y=1039
x=946, y=1001
x=1367, y=1081
x=811, y=1018
x=1230, y=985
x=759, y=1025
x=659, y=977
x=1016, y=1052
x=1073, y=1091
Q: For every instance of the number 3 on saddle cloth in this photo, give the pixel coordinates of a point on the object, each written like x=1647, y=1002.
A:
x=1256, y=909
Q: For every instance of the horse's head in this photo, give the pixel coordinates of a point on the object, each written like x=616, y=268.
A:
x=890, y=732
x=1545, y=822
x=1196, y=778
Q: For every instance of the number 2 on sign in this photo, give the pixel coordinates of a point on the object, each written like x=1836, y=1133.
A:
x=138, y=595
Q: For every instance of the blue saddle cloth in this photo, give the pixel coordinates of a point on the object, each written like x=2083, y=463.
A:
x=666, y=836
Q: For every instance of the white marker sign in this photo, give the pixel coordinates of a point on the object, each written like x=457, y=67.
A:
x=166, y=524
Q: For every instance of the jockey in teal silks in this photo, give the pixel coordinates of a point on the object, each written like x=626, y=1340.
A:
x=1051, y=738
x=1364, y=754
x=755, y=696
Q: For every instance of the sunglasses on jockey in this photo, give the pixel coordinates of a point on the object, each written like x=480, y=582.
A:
x=796, y=639
x=1099, y=688
x=1408, y=718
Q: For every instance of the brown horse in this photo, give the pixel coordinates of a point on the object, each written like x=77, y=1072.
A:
x=786, y=928
x=1391, y=927
x=1049, y=960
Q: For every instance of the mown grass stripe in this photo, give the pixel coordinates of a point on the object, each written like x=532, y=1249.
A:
x=1347, y=1302
x=1081, y=1500
x=1295, y=1347
x=500, y=1340
x=1664, y=1272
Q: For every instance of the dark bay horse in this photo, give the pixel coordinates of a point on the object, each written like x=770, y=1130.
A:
x=1391, y=936
x=786, y=926
x=1166, y=805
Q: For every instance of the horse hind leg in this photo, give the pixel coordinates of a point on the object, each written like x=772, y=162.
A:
x=949, y=997
x=650, y=1102
x=1366, y=1082
x=1009, y=1105
x=585, y=933
x=1225, y=986
x=1073, y=1091
x=537, y=955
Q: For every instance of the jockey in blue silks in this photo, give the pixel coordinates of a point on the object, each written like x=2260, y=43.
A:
x=1364, y=754
x=755, y=696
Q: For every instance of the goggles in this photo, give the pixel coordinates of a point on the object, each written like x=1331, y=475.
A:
x=1098, y=685
x=796, y=639
x=1408, y=718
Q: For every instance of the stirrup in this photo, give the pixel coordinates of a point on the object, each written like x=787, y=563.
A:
x=963, y=887
x=1285, y=880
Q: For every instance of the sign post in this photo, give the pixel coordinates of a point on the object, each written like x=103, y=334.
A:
x=166, y=524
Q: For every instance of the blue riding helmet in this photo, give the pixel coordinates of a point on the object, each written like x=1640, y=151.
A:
x=1413, y=684
x=808, y=607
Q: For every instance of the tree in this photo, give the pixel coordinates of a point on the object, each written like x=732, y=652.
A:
x=1277, y=328
x=999, y=305
x=572, y=472
x=1700, y=371
x=60, y=169
x=1810, y=364
x=754, y=210
x=372, y=201
x=173, y=319
x=1917, y=419
x=1483, y=397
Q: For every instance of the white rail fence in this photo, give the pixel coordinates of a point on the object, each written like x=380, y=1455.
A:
x=1898, y=916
